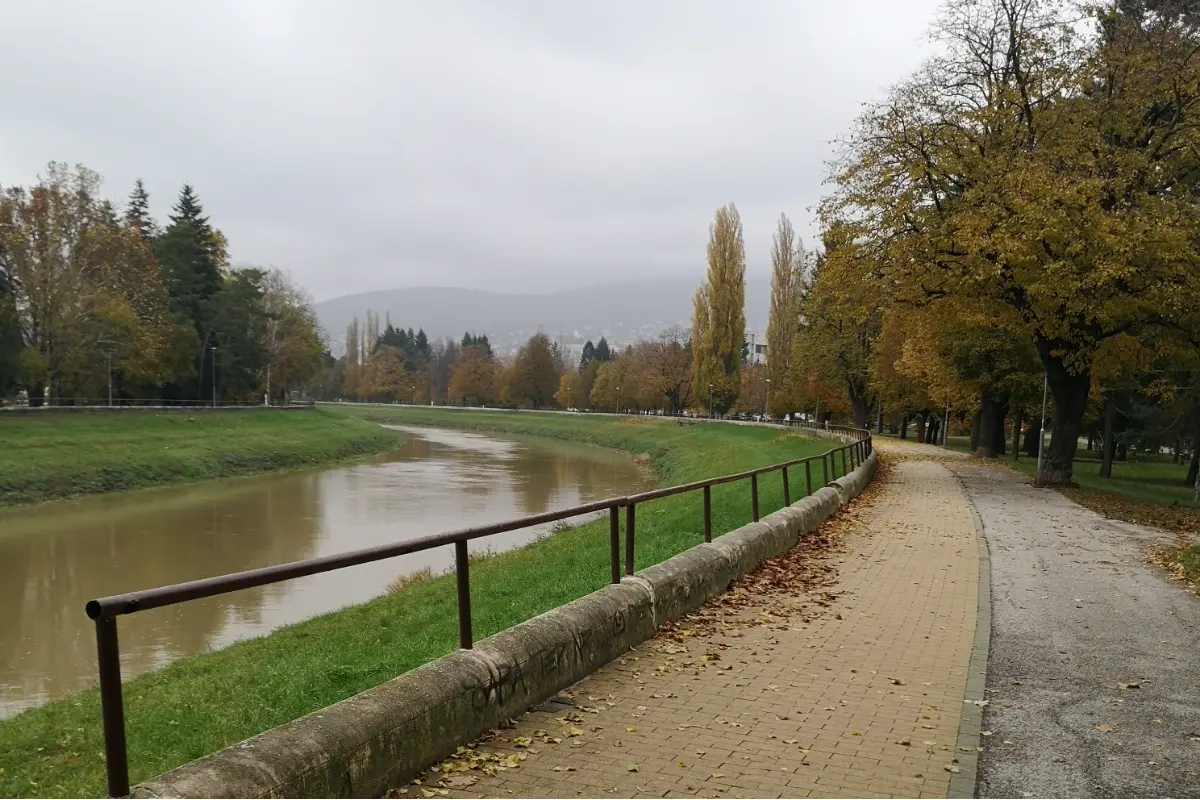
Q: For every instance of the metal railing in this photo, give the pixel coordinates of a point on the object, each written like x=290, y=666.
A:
x=94, y=403
x=104, y=611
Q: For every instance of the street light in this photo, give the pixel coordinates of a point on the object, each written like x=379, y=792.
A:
x=710, y=401
x=767, y=392
x=618, y=399
x=214, y=375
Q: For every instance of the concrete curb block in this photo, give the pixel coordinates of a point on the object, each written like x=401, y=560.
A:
x=386, y=735
x=970, y=727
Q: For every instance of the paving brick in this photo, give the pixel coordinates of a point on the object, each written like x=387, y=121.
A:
x=907, y=580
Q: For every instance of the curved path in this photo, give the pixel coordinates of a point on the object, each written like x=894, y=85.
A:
x=1095, y=656
x=835, y=672
x=855, y=668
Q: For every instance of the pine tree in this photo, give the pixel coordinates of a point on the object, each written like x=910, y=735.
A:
x=137, y=212
x=188, y=208
x=588, y=355
x=603, y=353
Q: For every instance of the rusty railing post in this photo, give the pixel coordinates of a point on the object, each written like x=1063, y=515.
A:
x=808, y=478
x=112, y=706
x=787, y=494
x=463, y=579
x=629, y=529
x=614, y=542
x=754, y=496
x=708, y=513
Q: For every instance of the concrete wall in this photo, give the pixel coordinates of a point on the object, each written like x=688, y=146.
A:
x=366, y=744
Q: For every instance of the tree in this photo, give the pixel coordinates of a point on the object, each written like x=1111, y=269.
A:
x=568, y=389
x=718, y=318
x=82, y=289
x=1044, y=174
x=787, y=258
x=384, y=377
x=137, y=212
x=533, y=379
x=603, y=353
x=474, y=377
x=292, y=338
x=588, y=354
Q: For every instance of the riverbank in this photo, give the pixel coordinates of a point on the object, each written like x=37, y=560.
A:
x=205, y=702
x=56, y=456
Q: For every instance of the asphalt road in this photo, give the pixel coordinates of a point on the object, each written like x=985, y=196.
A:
x=1094, y=664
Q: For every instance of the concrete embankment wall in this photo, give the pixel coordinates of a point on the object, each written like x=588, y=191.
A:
x=368, y=743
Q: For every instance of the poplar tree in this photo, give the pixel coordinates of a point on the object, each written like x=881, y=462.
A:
x=719, y=318
x=786, y=277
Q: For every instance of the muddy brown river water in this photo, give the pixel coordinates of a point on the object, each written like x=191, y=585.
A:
x=56, y=557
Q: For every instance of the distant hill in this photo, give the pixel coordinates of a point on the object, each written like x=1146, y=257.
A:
x=623, y=312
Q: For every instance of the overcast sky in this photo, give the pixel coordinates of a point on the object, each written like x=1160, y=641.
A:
x=492, y=144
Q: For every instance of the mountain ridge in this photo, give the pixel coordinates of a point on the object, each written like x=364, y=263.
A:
x=623, y=311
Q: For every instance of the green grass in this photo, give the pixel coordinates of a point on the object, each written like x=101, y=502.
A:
x=205, y=702
x=53, y=455
x=1144, y=478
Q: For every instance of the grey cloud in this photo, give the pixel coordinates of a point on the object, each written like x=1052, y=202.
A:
x=518, y=145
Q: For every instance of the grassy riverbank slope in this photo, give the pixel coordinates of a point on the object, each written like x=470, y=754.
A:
x=202, y=703
x=53, y=455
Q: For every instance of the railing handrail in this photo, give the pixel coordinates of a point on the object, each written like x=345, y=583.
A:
x=105, y=610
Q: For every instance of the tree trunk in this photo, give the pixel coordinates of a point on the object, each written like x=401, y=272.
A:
x=1091, y=441
x=904, y=427
x=1070, y=393
x=862, y=411
x=990, y=437
x=975, y=419
x=1122, y=451
x=931, y=433
x=1109, y=446
x=1031, y=437
x=1018, y=420
x=1194, y=466
x=1175, y=450
x=879, y=421
x=921, y=427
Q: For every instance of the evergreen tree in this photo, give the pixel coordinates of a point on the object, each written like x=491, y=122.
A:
x=137, y=212
x=588, y=355
x=603, y=353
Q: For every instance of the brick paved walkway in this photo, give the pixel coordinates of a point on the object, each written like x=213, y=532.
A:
x=858, y=693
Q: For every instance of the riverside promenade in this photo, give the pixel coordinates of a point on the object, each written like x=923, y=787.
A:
x=841, y=669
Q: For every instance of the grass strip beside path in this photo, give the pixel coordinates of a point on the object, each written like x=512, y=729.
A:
x=57, y=454
x=202, y=703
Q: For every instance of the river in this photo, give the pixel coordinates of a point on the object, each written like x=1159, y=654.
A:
x=56, y=557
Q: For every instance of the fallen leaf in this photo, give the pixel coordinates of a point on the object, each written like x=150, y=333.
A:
x=897, y=681
x=631, y=768
x=905, y=742
x=717, y=775
x=459, y=781
x=574, y=731
x=951, y=768
x=631, y=729
x=1105, y=728
x=1130, y=685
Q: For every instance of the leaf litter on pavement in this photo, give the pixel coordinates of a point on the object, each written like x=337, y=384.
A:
x=795, y=587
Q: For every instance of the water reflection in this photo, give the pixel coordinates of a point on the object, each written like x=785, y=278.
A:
x=55, y=558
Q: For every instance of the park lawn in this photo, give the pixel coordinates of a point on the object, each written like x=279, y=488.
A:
x=57, y=454
x=202, y=703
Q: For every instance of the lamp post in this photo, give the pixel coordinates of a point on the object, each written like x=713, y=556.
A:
x=618, y=399
x=214, y=375
x=108, y=362
x=710, y=388
x=767, y=392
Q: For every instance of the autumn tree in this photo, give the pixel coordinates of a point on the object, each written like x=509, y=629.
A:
x=787, y=259
x=568, y=393
x=533, y=379
x=1045, y=173
x=474, y=377
x=718, y=316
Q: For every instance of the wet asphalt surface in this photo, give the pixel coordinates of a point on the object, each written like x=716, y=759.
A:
x=1093, y=679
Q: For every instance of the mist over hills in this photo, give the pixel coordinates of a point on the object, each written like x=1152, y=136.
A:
x=624, y=312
